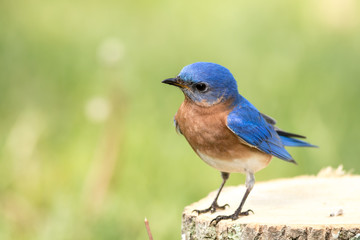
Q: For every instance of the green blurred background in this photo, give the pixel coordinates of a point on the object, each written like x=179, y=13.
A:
x=88, y=146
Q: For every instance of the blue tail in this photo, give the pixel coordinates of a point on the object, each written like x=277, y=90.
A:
x=292, y=142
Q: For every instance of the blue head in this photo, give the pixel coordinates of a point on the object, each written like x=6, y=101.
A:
x=206, y=83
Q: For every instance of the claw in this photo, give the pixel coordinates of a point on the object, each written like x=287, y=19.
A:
x=211, y=209
x=246, y=213
x=233, y=216
x=226, y=205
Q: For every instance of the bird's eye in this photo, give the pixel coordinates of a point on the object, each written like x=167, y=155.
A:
x=201, y=87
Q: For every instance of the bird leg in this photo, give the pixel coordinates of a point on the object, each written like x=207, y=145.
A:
x=215, y=206
x=250, y=181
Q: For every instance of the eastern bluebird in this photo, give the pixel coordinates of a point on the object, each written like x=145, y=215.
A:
x=226, y=130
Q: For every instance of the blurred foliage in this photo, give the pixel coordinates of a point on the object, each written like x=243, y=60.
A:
x=88, y=147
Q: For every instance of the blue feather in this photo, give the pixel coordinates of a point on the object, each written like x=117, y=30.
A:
x=292, y=142
x=248, y=124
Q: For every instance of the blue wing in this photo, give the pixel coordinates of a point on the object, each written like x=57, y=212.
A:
x=292, y=142
x=248, y=123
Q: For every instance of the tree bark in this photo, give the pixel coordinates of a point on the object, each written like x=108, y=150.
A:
x=298, y=208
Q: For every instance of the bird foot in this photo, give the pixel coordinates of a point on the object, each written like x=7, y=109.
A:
x=233, y=216
x=211, y=209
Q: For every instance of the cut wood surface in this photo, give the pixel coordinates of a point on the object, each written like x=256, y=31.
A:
x=297, y=208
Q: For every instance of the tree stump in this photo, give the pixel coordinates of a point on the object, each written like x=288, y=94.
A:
x=307, y=207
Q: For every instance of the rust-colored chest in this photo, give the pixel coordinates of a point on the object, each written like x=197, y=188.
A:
x=205, y=128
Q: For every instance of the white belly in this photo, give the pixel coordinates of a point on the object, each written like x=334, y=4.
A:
x=251, y=164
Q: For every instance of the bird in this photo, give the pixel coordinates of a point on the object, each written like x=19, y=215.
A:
x=226, y=131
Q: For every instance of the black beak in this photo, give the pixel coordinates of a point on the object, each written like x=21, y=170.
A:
x=175, y=82
x=170, y=81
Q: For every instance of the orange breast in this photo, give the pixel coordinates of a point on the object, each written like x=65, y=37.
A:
x=206, y=131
